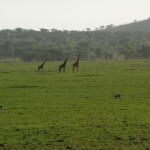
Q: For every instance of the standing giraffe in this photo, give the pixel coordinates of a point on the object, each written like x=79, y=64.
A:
x=76, y=64
x=41, y=66
x=62, y=66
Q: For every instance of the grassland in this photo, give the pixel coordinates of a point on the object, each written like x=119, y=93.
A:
x=75, y=111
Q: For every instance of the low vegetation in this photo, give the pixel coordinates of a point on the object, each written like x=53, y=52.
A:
x=52, y=110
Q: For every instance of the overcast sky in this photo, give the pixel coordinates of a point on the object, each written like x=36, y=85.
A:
x=70, y=14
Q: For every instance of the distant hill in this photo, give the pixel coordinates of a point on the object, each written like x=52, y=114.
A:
x=143, y=26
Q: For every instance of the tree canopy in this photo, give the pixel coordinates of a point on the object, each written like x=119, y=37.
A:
x=31, y=45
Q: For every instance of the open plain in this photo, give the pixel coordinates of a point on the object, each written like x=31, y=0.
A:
x=52, y=110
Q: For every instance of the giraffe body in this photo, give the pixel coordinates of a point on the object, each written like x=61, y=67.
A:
x=76, y=64
x=63, y=66
x=41, y=66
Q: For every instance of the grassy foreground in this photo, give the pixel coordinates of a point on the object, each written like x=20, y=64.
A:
x=75, y=111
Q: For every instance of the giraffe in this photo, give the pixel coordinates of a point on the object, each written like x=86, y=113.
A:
x=62, y=66
x=41, y=66
x=76, y=64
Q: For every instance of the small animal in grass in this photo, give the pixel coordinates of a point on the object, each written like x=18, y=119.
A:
x=117, y=96
x=1, y=107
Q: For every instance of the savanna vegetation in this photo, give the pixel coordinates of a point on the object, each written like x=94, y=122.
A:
x=52, y=110
x=121, y=42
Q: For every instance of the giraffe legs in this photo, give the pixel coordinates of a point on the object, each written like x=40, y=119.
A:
x=75, y=67
x=39, y=69
x=64, y=69
x=60, y=68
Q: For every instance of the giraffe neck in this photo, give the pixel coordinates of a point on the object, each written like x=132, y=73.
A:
x=65, y=61
x=43, y=63
x=78, y=60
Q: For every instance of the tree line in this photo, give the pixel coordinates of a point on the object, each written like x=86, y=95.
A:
x=49, y=45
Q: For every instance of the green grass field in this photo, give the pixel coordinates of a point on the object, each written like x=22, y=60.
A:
x=75, y=111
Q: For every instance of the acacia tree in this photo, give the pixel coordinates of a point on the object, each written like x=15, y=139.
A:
x=7, y=49
x=98, y=52
x=144, y=51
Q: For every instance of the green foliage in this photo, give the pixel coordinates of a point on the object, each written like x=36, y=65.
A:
x=75, y=111
x=31, y=45
x=145, y=51
x=98, y=52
